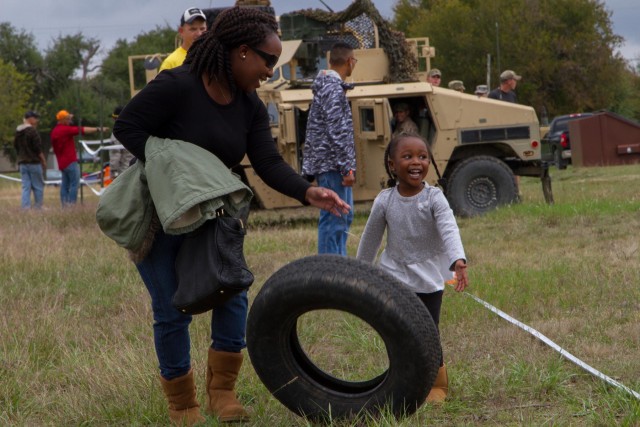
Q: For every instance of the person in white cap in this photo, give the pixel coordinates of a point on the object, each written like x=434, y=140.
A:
x=482, y=91
x=193, y=23
x=505, y=92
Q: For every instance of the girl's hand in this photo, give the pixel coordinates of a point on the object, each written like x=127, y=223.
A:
x=326, y=199
x=461, y=275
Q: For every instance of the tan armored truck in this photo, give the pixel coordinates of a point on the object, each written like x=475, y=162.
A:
x=478, y=144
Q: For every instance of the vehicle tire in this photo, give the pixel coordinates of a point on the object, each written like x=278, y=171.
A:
x=557, y=157
x=334, y=282
x=480, y=184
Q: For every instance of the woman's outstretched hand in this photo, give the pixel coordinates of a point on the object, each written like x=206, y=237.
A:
x=328, y=200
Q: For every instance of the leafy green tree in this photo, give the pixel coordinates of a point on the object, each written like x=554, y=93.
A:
x=565, y=49
x=14, y=101
x=19, y=48
x=115, y=66
x=407, y=12
x=62, y=60
x=68, y=59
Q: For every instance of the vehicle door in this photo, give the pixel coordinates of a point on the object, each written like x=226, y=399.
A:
x=372, y=130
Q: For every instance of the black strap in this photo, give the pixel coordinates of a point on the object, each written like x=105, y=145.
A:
x=441, y=181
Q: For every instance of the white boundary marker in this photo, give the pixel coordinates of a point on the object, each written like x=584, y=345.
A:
x=102, y=147
x=58, y=182
x=564, y=353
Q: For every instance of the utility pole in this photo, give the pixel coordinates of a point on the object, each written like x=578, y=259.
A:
x=498, y=45
x=489, y=71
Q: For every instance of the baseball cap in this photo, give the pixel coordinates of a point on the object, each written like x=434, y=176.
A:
x=481, y=89
x=456, y=85
x=63, y=114
x=508, y=75
x=434, y=72
x=192, y=14
x=30, y=113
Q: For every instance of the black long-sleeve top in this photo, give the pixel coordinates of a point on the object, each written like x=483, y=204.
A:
x=176, y=105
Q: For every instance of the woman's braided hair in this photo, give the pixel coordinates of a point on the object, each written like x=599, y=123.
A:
x=390, y=151
x=233, y=27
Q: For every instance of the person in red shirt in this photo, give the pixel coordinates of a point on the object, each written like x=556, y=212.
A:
x=64, y=148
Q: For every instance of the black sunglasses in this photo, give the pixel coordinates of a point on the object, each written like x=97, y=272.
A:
x=269, y=59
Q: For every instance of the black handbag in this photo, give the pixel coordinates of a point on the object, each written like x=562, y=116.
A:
x=210, y=266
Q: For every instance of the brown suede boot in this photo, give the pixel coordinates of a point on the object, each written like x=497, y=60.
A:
x=440, y=388
x=222, y=372
x=184, y=409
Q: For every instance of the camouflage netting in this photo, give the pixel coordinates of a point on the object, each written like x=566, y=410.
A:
x=356, y=20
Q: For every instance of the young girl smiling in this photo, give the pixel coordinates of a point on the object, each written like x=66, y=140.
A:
x=423, y=241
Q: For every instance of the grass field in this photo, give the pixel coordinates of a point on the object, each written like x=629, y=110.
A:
x=76, y=343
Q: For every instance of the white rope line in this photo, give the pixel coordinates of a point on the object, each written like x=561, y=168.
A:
x=109, y=147
x=58, y=182
x=556, y=347
x=10, y=178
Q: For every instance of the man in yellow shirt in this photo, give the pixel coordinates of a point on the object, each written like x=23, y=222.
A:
x=193, y=23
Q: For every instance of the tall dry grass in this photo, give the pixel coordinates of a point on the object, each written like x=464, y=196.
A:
x=76, y=342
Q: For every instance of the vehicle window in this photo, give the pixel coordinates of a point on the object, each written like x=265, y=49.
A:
x=367, y=120
x=272, y=109
x=276, y=75
x=562, y=125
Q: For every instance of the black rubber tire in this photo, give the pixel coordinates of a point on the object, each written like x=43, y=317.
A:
x=346, y=284
x=480, y=184
x=557, y=157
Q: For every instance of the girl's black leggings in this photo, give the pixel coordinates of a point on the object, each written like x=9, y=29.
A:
x=433, y=302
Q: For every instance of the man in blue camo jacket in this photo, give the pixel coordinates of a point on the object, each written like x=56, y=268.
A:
x=329, y=152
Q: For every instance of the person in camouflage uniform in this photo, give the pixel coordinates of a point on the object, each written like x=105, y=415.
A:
x=119, y=160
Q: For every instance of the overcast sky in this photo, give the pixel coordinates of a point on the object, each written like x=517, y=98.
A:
x=110, y=20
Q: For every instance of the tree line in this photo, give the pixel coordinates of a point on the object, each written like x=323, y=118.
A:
x=566, y=51
x=69, y=75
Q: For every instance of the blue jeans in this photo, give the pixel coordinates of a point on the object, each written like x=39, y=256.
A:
x=333, y=230
x=171, y=327
x=69, y=185
x=32, y=180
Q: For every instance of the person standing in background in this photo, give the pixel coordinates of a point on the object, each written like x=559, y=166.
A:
x=31, y=160
x=434, y=77
x=482, y=91
x=329, y=151
x=119, y=160
x=506, y=91
x=64, y=147
x=193, y=23
x=456, y=85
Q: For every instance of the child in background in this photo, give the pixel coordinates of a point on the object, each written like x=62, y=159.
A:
x=423, y=241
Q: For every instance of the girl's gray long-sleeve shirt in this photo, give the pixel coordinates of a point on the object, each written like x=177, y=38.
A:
x=423, y=239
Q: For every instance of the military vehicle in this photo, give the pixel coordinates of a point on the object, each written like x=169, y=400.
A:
x=478, y=144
